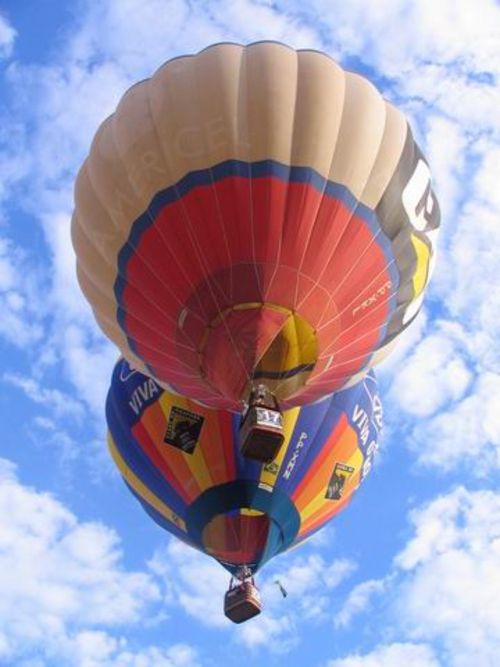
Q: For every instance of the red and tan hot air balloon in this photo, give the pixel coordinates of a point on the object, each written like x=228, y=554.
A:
x=254, y=214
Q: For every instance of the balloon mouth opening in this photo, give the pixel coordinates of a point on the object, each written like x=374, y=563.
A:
x=258, y=343
x=238, y=538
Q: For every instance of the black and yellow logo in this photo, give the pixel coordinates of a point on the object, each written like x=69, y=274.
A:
x=272, y=468
x=335, y=487
x=183, y=429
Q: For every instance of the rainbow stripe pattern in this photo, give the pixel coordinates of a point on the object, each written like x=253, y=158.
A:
x=182, y=461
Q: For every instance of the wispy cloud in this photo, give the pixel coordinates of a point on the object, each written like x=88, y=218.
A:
x=7, y=37
x=358, y=601
x=60, y=404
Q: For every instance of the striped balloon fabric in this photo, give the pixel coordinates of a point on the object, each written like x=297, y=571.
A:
x=183, y=463
x=254, y=213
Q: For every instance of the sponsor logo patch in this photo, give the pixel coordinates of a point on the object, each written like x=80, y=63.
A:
x=341, y=474
x=183, y=429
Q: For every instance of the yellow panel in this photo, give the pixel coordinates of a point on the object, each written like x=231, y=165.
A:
x=356, y=461
x=270, y=471
x=196, y=460
x=246, y=511
x=295, y=345
x=141, y=489
x=423, y=254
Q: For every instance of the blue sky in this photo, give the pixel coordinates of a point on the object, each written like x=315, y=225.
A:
x=410, y=573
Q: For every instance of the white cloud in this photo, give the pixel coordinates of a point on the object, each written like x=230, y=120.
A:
x=358, y=601
x=7, y=37
x=440, y=599
x=88, y=361
x=183, y=29
x=451, y=589
x=64, y=587
x=447, y=146
x=391, y=655
x=421, y=32
x=443, y=400
x=59, y=403
x=19, y=325
x=194, y=581
x=468, y=435
x=434, y=374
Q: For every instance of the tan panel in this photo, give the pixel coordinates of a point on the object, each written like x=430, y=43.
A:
x=88, y=249
x=360, y=136
x=101, y=230
x=268, y=86
x=389, y=153
x=206, y=129
x=137, y=146
x=101, y=303
x=110, y=182
x=318, y=111
x=194, y=106
x=104, y=311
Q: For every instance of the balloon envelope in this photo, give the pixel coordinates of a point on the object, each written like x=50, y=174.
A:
x=254, y=213
x=183, y=463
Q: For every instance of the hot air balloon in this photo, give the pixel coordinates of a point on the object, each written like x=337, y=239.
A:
x=254, y=215
x=183, y=463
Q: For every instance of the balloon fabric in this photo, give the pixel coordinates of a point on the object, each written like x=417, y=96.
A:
x=182, y=461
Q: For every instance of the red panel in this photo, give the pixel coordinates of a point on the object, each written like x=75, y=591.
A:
x=237, y=538
x=269, y=205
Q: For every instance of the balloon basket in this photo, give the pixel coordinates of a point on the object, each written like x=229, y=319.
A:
x=261, y=431
x=242, y=601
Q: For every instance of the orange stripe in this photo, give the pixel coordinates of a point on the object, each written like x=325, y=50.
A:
x=212, y=444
